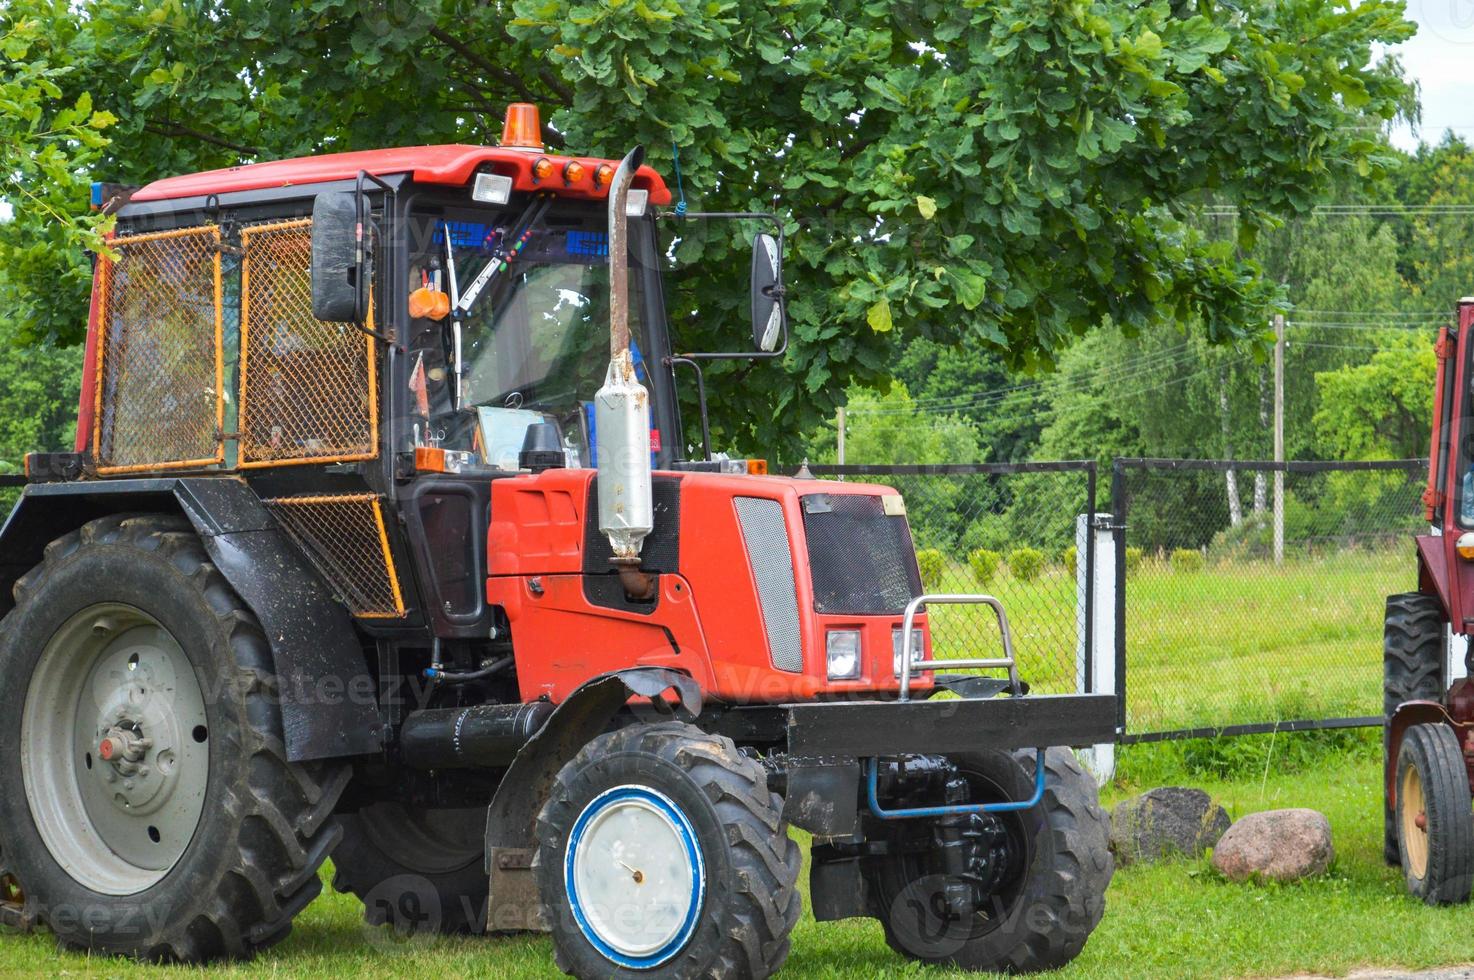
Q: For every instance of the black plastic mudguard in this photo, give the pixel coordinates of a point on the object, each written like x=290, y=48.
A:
x=512, y=817
x=329, y=699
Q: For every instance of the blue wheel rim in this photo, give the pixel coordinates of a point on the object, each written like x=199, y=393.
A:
x=685, y=832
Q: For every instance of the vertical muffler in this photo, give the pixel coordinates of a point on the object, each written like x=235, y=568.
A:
x=622, y=410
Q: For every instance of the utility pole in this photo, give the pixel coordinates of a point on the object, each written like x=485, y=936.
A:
x=839, y=422
x=1279, y=437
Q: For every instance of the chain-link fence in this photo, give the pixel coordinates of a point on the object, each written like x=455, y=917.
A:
x=1225, y=627
x=1008, y=530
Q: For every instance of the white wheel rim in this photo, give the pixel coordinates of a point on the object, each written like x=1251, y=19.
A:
x=113, y=673
x=634, y=876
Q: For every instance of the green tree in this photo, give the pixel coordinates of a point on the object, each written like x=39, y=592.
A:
x=50, y=133
x=1006, y=175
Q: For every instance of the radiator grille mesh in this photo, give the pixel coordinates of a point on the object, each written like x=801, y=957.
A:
x=766, y=538
x=862, y=560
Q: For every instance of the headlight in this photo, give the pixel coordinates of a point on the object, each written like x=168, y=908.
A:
x=918, y=651
x=1465, y=545
x=492, y=189
x=842, y=650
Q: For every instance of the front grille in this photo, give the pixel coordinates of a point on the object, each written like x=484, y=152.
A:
x=766, y=538
x=862, y=560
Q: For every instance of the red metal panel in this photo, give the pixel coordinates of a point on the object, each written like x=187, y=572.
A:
x=87, y=401
x=708, y=622
x=452, y=164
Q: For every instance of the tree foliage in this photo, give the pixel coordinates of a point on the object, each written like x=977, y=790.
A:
x=1004, y=175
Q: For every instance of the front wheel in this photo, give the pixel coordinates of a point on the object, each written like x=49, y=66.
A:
x=1050, y=901
x=1435, y=817
x=662, y=854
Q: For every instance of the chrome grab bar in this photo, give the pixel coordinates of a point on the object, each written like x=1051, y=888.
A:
x=961, y=599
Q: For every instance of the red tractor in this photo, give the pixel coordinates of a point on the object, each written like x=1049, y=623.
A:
x=1429, y=728
x=381, y=541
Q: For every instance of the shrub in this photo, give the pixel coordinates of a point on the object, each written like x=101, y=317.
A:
x=1068, y=558
x=1187, y=560
x=984, y=564
x=1026, y=563
x=932, y=565
x=1133, y=559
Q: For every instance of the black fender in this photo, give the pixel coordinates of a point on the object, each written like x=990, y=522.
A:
x=328, y=696
x=511, y=820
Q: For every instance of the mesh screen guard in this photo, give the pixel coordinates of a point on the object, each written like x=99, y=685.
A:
x=862, y=560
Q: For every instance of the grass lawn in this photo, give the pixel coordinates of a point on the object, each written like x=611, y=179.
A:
x=1233, y=643
x=1170, y=920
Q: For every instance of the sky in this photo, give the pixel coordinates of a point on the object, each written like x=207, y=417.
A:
x=1440, y=58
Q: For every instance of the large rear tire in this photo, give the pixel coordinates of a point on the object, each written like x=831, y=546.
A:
x=1435, y=816
x=1043, y=917
x=418, y=871
x=147, y=806
x=1414, y=635
x=662, y=854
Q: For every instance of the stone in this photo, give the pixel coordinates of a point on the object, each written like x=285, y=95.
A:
x=1166, y=821
x=1281, y=845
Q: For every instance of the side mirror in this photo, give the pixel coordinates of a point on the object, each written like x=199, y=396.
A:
x=337, y=260
x=767, y=293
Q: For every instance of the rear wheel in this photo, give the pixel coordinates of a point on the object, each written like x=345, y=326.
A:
x=1435, y=817
x=1054, y=897
x=417, y=870
x=1414, y=635
x=661, y=853
x=146, y=803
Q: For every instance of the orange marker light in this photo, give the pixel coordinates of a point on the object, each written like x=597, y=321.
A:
x=757, y=467
x=522, y=127
x=543, y=169
x=603, y=175
x=572, y=172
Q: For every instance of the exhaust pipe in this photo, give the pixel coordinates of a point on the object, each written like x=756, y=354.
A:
x=485, y=736
x=622, y=410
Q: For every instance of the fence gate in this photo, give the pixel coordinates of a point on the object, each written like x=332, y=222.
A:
x=1219, y=629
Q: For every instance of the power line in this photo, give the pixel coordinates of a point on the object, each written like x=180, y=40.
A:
x=1405, y=327
x=1348, y=347
x=1126, y=372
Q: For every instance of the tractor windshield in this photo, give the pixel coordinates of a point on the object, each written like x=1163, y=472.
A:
x=532, y=343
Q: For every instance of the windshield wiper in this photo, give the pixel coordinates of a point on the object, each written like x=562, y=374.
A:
x=521, y=234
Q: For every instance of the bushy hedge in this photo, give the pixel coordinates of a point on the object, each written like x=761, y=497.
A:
x=1187, y=560
x=984, y=564
x=1025, y=563
x=932, y=563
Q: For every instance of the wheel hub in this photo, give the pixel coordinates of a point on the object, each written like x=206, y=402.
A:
x=115, y=756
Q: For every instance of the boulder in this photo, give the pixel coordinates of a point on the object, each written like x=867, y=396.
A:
x=1168, y=820
x=1283, y=845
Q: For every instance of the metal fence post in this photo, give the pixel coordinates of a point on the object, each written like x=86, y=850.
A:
x=1118, y=632
x=1095, y=585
